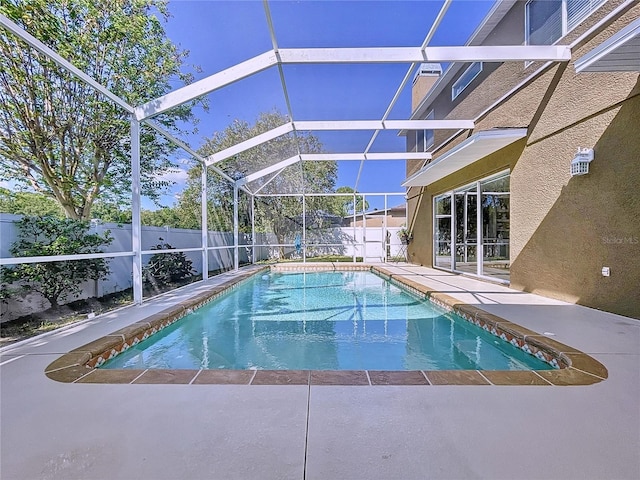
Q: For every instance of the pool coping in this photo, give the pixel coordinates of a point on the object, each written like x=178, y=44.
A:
x=572, y=367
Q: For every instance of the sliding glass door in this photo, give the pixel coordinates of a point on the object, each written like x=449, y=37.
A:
x=472, y=223
x=495, y=227
x=442, y=232
x=466, y=232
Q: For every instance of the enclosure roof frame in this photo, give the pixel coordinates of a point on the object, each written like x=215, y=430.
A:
x=279, y=57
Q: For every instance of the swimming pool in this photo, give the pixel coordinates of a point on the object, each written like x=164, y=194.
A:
x=346, y=320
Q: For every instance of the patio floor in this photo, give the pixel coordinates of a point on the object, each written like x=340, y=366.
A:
x=54, y=430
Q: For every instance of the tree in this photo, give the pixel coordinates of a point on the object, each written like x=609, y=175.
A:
x=60, y=136
x=344, y=205
x=281, y=215
x=111, y=212
x=55, y=281
x=172, y=217
x=28, y=203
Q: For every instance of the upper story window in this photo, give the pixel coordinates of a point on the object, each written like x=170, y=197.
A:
x=424, y=138
x=546, y=21
x=420, y=140
x=465, y=79
x=428, y=134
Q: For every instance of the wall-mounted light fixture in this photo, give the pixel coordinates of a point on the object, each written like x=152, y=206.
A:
x=581, y=161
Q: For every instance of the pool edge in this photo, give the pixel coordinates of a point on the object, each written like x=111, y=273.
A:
x=574, y=367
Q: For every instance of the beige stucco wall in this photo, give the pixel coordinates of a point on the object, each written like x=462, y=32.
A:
x=497, y=80
x=420, y=88
x=566, y=229
x=563, y=229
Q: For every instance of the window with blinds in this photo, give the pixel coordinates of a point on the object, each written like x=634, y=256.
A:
x=548, y=20
x=465, y=79
x=544, y=21
x=578, y=10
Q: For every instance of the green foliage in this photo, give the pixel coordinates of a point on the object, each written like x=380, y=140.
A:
x=174, y=217
x=165, y=216
x=60, y=136
x=28, y=203
x=111, y=212
x=166, y=268
x=343, y=206
x=278, y=214
x=40, y=236
x=405, y=235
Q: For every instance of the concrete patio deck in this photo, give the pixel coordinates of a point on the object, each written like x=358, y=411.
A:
x=57, y=430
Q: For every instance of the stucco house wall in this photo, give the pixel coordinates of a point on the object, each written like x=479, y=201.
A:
x=563, y=229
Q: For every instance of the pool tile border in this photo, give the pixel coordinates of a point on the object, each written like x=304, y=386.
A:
x=571, y=366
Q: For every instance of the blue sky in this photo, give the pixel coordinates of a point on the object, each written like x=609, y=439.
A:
x=219, y=34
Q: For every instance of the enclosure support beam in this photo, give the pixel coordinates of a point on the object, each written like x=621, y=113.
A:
x=250, y=143
x=187, y=149
x=355, y=219
x=236, y=261
x=405, y=80
x=385, y=226
x=364, y=229
x=410, y=227
x=304, y=229
x=338, y=125
x=136, y=228
x=467, y=53
x=253, y=229
x=206, y=85
x=557, y=53
x=320, y=157
x=205, y=224
x=266, y=171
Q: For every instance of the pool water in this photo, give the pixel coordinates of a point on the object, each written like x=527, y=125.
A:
x=323, y=321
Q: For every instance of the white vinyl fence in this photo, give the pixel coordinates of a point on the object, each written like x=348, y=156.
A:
x=369, y=243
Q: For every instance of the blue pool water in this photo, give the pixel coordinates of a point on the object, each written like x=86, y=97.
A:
x=323, y=321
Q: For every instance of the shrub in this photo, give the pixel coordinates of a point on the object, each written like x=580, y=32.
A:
x=48, y=236
x=166, y=268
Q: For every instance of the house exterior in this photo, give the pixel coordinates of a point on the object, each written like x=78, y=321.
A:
x=391, y=217
x=500, y=202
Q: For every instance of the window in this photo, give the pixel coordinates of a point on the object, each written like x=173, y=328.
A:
x=471, y=229
x=424, y=138
x=578, y=10
x=465, y=79
x=546, y=21
x=420, y=140
x=428, y=134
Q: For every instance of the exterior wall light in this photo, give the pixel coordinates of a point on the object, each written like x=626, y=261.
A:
x=581, y=161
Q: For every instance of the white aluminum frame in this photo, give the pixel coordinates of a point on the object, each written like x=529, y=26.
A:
x=207, y=85
x=405, y=81
x=49, y=53
x=556, y=53
x=339, y=125
x=451, y=194
x=279, y=57
x=589, y=61
x=356, y=213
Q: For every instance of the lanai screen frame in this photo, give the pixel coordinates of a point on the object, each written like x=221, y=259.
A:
x=278, y=57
